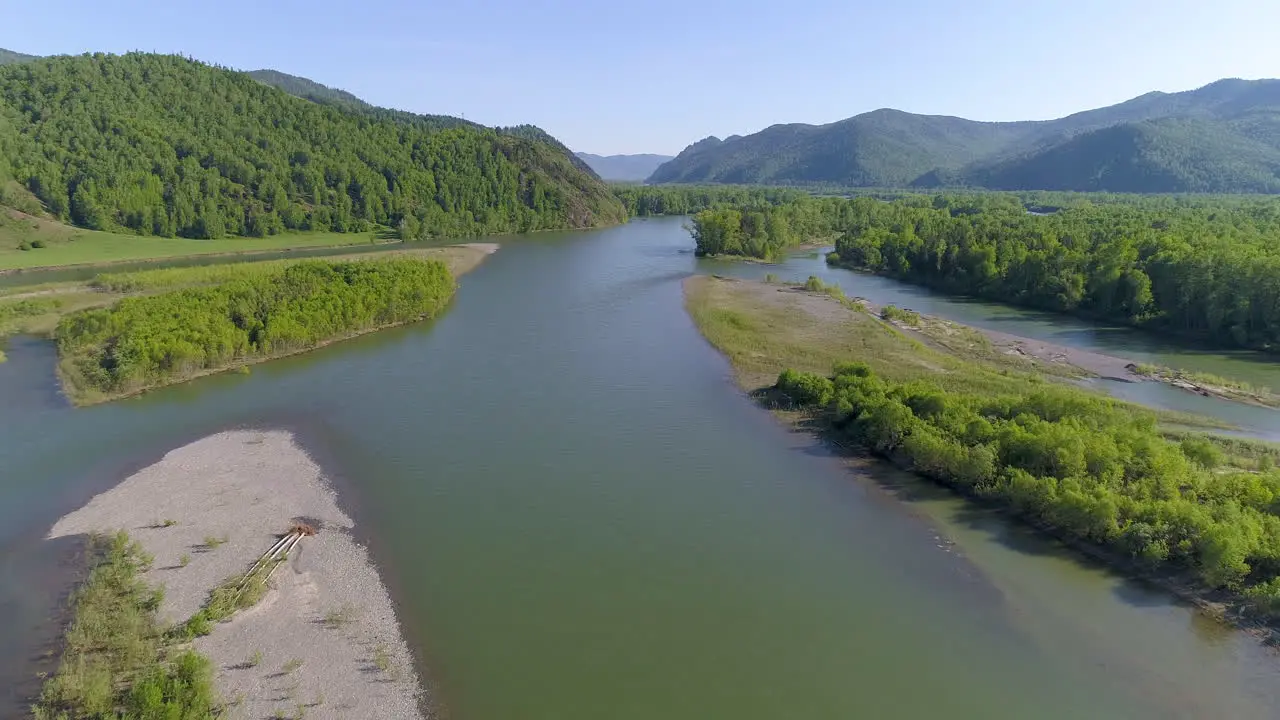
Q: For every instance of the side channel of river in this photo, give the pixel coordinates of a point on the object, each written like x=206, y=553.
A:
x=1252, y=367
x=581, y=517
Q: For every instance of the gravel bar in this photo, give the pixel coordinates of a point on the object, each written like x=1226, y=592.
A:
x=324, y=642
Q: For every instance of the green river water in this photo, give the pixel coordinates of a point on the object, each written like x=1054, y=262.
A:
x=580, y=516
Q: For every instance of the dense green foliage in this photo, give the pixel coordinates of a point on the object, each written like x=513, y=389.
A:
x=117, y=664
x=1224, y=137
x=1208, y=268
x=763, y=231
x=624, y=168
x=645, y=201
x=158, y=339
x=162, y=145
x=536, y=134
x=1072, y=461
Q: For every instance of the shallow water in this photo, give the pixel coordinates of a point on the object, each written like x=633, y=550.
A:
x=580, y=517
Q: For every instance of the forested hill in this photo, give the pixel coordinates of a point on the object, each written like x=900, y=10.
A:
x=308, y=89
x=8, y=57
x=158, y=144
x=1224, y=137
x=311, y=90
x=624, y=168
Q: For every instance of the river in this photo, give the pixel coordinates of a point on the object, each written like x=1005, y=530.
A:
x=580, y=516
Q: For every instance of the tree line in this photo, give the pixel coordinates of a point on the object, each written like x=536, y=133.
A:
x=762, y=232
x=1079, y=464
x=158, y=339
x=163, y=145
x=650, y=200
x=1208, y=269
x=1200, y=267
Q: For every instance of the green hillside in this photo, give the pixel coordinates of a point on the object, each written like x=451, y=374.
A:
x=307, y=89
x=161, y=145
x=315, y=92
x=1223, y=137
x=1170, y=155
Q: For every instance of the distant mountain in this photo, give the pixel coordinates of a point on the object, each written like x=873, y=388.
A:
x=624, y=168
x=1166, y=155
x=9, y=57
x=1224, y=137
x=307, y=89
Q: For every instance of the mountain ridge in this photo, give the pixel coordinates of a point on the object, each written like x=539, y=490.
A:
x=634, y=167
x=893, y=148
x=316, y=92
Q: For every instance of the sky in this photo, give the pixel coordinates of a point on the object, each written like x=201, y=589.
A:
x=610, y=76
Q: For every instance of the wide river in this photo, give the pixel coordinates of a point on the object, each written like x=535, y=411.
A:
x=580, y=516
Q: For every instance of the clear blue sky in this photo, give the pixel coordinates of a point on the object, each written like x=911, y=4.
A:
x=655, y=75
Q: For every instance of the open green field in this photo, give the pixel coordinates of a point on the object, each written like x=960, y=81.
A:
x=66, y=245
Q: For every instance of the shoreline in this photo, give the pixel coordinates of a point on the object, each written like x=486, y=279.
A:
x=1223, y=606
x=1191, y=342
x=325, y=638
x=82, y=399
x=1096, y=364
x=1055, y=358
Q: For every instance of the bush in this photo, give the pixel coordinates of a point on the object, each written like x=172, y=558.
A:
x=1203, y=452
x=896, y=314
x=805, y=388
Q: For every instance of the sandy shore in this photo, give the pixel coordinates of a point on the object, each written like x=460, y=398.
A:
x=324, y=641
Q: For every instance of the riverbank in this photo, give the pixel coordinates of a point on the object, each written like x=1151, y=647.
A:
x=763, y=329
x=766, y=327
x=1054, y=358
x=38, y=312
x=324, y=640
x=996, y=347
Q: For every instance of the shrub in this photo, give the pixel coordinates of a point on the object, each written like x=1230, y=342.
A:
x=1203, y=452
x=897, y=314
x=805, y=388
x=114, y=662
